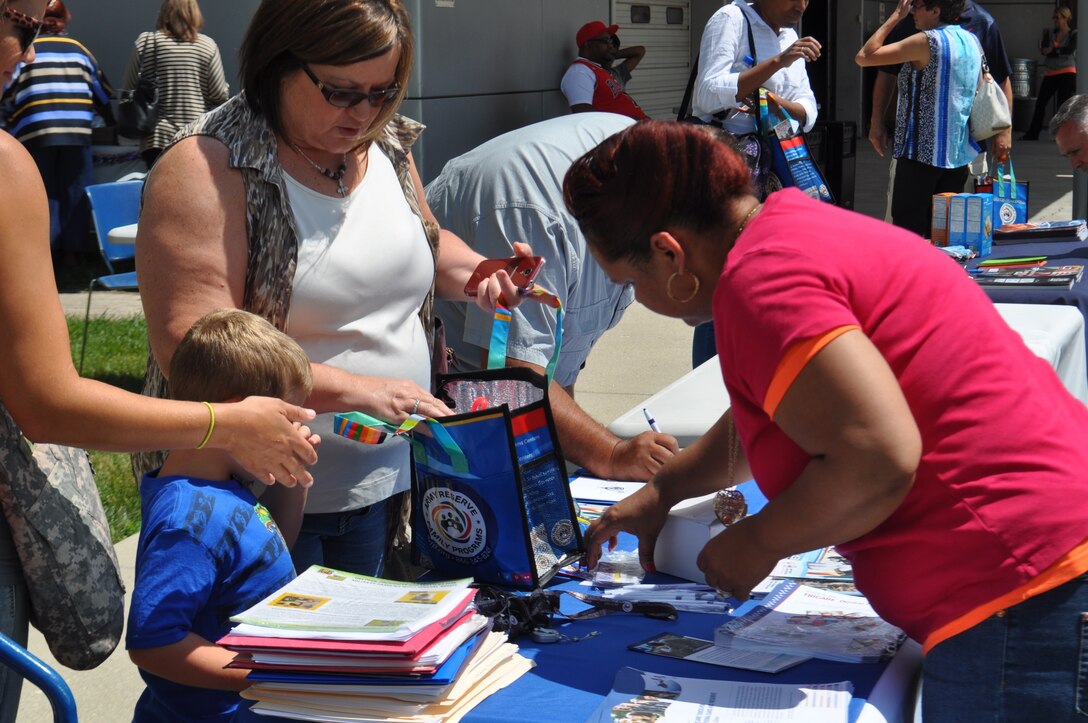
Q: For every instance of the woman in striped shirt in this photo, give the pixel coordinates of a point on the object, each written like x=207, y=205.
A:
x=937, y=81
x=187, y=67
x=55, y=98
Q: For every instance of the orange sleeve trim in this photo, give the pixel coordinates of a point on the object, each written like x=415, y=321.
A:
x=794, y=360
x=1067, y=567
x=1060, y=71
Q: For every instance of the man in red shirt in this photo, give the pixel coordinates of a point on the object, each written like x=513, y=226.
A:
x=588, y=84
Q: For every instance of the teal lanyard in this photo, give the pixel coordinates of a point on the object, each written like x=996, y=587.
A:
x=500, y=331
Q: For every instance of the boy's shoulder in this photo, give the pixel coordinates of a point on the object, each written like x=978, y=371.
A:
x=202, y=507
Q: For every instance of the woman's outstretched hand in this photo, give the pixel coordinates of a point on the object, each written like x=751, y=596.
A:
x=269, y=438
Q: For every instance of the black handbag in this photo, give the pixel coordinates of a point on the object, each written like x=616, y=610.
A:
x=755, y=147
x=138, y=108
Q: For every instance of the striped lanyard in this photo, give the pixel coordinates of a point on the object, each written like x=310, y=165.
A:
x=500, y=330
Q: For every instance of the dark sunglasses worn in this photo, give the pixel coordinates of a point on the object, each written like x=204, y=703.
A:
x=351, y=98
x=26, y=27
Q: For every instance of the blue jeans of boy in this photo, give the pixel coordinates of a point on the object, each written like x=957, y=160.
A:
x=1026, y=663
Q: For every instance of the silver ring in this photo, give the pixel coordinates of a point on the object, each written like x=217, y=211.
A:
x=415, y=407
x=724, y=593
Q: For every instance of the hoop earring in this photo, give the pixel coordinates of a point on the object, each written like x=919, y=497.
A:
x=689, y=297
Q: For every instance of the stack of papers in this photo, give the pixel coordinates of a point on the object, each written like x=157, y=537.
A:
x=1074, y=230
x=333, y=646
x=801, y=620
x=640, y=696
x=1061, y=277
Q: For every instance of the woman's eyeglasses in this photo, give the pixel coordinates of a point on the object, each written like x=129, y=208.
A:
x=351, y=98
x=26, y=27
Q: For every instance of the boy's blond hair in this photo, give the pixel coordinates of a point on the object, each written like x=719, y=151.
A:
x=230, y=353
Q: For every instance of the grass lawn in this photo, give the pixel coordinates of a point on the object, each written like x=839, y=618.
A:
x=116, y=354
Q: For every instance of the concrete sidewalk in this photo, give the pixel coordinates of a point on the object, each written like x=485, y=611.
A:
x=644, y=353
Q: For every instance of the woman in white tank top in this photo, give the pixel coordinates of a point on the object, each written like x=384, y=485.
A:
x=298, y=200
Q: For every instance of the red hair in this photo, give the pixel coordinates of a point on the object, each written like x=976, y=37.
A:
x=653, y=176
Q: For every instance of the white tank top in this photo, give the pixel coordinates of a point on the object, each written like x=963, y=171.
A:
x=364, y=268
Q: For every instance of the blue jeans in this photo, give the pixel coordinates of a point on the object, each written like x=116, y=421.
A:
x=352, y=541
x=703, y=345
x=1026, y=663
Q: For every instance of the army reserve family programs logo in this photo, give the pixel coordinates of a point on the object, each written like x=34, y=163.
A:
x=455, y=525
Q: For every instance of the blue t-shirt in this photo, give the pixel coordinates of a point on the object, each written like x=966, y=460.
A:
x=207, y=550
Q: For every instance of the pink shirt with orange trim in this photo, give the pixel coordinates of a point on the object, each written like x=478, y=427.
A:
x=1002, y=487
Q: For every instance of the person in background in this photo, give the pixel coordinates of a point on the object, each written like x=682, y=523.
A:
x=1060, y=50
x=938, y=77
x=46, y=397
x=588, y=84
x=54, y=102
x=508, y=189
x=979, y=21
x=943, y=458
x=208, y=549
x=299, y=200
x=188, y=69
x=745, y=47
x=1069, y=129
x=629, y=58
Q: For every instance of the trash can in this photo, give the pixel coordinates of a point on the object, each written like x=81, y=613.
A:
x=838, y=158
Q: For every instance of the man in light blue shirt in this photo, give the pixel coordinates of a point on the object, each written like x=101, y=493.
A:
x=511, y=189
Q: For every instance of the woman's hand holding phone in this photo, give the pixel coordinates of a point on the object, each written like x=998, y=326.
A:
x=504, y=280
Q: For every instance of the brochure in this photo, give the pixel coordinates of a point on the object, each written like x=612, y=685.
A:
x=803, y=620
x=683, y=647
x=327, y=603
x=644, y=696
x=824, y=568
x=594, y=489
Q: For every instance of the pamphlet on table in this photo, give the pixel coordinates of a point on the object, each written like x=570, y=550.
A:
x=802, y=620
x=1062, y=277
x=1015, y=233
x=684, y=647
x=824, y=568
x=327, y=603
x=673, y=699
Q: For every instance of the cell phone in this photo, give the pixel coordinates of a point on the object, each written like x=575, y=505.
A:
x=522, y=271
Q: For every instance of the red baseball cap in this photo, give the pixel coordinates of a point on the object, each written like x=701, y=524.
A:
x=592, y=30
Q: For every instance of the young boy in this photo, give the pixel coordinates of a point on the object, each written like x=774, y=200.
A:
x=208, y=549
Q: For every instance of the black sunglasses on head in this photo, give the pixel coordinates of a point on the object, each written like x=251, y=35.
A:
x=350, y=98
x=26, y=27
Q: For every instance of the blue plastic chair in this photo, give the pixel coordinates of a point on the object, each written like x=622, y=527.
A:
x=112, y=205
x=28, y=665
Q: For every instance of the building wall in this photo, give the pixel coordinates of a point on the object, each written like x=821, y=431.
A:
x=488, y=66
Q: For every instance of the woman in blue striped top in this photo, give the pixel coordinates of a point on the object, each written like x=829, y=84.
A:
x=937, y=83
x=55, y=98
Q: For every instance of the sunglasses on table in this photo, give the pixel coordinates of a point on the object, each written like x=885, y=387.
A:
x=350, y=98
x=26, y=27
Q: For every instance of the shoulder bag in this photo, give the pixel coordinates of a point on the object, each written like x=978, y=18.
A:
x=59, y=528
x=990, y=109
x=138, y=108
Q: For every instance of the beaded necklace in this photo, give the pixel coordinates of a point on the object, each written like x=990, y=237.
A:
x=337, y=175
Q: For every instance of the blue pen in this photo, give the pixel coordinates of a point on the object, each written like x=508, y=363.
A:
x=650, y=420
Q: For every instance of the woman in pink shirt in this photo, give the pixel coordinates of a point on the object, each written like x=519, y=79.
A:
x=880, y=402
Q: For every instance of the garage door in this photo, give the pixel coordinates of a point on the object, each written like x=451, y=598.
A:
x=664, y=28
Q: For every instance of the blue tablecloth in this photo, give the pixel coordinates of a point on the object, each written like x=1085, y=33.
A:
x=1059, y=252
x=571, y=678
